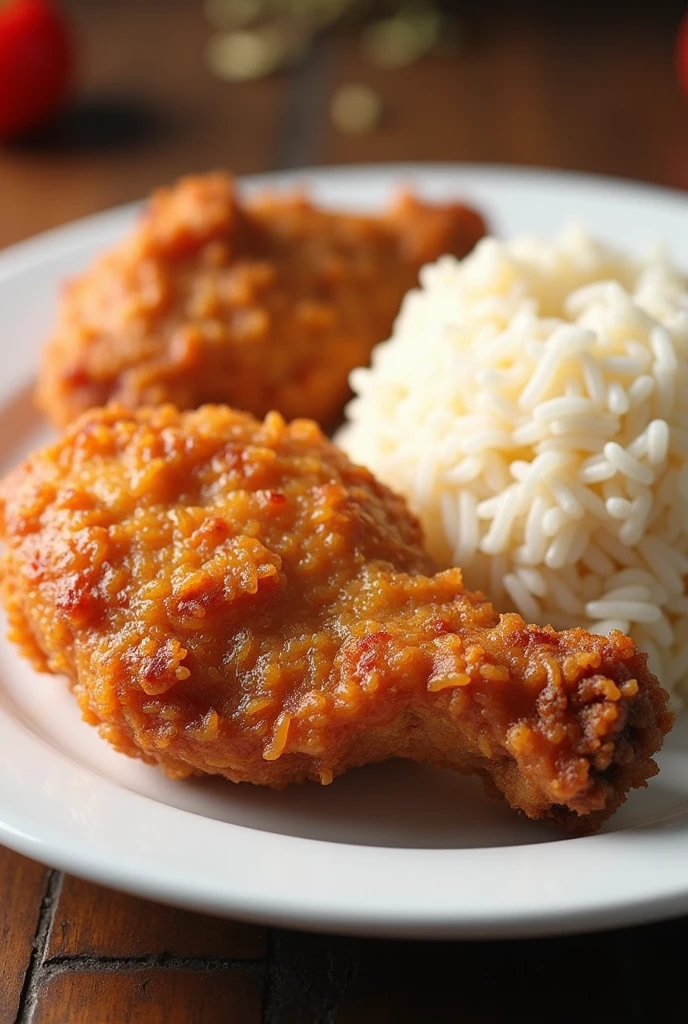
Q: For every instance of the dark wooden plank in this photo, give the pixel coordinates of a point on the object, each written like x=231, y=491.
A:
x=307, y=976
x=97, y=922
x=572, y=979
x=153, y=997
x=652, y=963
x=350, y=981
x=146, y=111
x=22, y=884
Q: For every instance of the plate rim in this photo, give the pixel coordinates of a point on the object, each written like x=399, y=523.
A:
x=53, y=845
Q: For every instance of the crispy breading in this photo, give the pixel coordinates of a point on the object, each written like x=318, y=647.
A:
x=263, y=304
x=236, y=597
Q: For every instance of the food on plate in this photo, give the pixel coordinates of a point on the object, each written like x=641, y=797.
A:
x=531, y=407
x=236, y=597
x=264, y=304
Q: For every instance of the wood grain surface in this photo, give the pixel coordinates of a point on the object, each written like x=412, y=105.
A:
x=90, y=921
x=584, y=86
x=153, y=996
x=22, y=889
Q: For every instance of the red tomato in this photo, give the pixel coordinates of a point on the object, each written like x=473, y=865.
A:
x=35, y=64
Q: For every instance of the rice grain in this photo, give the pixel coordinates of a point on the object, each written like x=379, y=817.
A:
x=527, y=406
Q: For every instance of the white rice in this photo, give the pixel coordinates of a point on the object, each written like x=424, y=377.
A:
x=530, y=405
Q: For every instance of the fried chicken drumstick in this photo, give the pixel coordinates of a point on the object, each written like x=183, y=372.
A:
x=263, y=304
x=236, y=597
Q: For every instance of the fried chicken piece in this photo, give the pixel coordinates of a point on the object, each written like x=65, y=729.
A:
x=263, y=304
x=236, y=597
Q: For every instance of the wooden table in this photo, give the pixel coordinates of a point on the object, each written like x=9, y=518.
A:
x=590, y=87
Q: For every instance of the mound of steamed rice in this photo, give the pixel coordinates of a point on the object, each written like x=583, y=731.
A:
x=532, y=404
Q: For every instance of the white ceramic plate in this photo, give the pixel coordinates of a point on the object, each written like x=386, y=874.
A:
x=395, y=849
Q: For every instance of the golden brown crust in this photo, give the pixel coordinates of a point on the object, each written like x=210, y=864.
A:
x=236, y=597
x=265, y=304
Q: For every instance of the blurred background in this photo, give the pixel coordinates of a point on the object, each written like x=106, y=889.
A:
x=146, y=90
